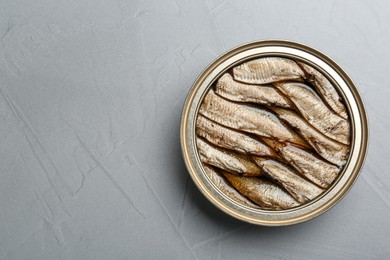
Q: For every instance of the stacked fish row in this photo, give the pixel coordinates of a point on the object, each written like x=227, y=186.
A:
x=273, y=133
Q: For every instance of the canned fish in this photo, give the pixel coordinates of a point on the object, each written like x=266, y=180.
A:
x=274, y=133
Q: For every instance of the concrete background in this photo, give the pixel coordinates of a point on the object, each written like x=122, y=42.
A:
x=91, y=94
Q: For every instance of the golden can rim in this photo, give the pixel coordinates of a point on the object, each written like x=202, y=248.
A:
x=334, y=73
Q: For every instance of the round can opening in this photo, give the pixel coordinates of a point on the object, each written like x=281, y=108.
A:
x=259, y=117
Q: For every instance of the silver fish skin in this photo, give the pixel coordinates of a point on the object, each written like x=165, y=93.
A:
x=246, y=118
x=264, y=193
x=325, y=88
x=230, y=89
x=226, y=160
x=313, y=168
x=268, y=70
x=327, y=148
x=227, y=138
x=301, y=189
x=225, y=188
x=315, y=111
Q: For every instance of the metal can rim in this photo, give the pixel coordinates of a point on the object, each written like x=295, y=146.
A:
x=341, y=80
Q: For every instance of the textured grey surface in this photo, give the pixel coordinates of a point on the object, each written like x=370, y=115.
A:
x=91, y=94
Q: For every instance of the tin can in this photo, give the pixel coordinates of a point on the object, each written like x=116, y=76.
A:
x=340, y=80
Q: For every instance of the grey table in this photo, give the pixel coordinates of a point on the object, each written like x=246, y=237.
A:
x=91, y=94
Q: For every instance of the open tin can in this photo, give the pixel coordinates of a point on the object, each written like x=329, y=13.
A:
x=348, y=171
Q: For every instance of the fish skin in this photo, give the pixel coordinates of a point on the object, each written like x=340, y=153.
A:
x=225, y=188
x=230, y=89
x=315, y=111
x=325, y=88
x=227, y=138
x=313, y=168
x=301, y=189
x=246, y=118
x=327, y=148
x=264, y=193
x=268, y=70
x=226, y=160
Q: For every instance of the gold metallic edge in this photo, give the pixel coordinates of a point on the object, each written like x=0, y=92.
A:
x=220, y=202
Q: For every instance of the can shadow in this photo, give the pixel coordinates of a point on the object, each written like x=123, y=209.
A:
x=255, y=236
